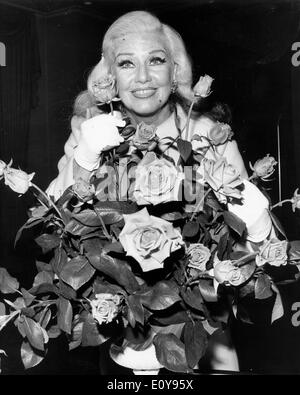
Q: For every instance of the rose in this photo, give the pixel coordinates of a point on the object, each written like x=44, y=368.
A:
x=202, y=88
x=157, y=181
x=226, y=273
x=295, y=200
x=222, y=178
x=263, y=168
x=148, y=239
x=104, y=89
x=17, y=180
x=273, y=252
x=198, y=255
x=83, y=189
x=144, y=136
x=220, y=133
x=105, y=307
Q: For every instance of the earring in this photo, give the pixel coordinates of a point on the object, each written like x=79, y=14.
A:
x=174, y=86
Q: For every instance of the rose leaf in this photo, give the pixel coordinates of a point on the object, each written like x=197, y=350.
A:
x=47, y=242
x=64, y=315
x=262, y=288
x=195, y=340
x=207, y=291
x=77, y=272
x=294, y=252
x=8, y=284
x=34, y=333
x=190, y=229
x=136, y=307
x=90, y=333
x=234, y=222
x=170, y=352
x=29, y=357
x=185, y=149
x=161, y=296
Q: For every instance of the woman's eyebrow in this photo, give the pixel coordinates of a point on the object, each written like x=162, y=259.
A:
x=124, y=54
x=157, y=50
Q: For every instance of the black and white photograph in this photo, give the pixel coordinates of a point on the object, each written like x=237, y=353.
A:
x=150, y=190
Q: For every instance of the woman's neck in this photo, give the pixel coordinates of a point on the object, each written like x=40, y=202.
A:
x=153, y=119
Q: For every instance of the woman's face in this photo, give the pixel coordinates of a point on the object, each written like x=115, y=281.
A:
x=144, y=73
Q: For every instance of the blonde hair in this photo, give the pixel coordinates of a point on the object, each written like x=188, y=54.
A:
x=141, y=22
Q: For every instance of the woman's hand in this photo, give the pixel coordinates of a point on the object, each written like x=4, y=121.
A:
x=98, y=134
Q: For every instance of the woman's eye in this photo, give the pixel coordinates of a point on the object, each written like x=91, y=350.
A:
x=157, y=60
x=125, y=64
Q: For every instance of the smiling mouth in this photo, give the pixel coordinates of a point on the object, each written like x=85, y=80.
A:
x=143, y=93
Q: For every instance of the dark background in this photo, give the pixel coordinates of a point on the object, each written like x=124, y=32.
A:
x=51, y=45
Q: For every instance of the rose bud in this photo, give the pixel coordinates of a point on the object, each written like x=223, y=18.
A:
x=17, y=180
x=202, y=88
x=263, y=168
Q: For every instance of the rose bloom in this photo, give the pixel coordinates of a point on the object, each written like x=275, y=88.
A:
x=226, y=273
x=104, y=89
x=220, y=133
x=84, y=190
x=202, y=88
x=144, y=135
x=296, y=200
x=157, y=181
x=222, y=178
x=17, y=180
x=198, y=256
x=264, y=168
x=273, y=252
x=105, y=307
x=148, y=239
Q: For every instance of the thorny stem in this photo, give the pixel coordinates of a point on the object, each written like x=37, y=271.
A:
x=281, y=203
x=47, y=198
x=199, y=204
x=189, y=117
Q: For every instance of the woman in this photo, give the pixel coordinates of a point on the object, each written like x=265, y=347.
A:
x=153, y=77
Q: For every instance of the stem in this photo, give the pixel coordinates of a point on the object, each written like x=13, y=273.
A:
x=281, y=203
x=199, y=204
x=189, y=117
x=47, y=198
x=106, y=234
x=111, y=108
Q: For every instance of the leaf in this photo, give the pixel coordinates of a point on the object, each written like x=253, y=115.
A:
x=42, y=278
x=66, y=291
x=2, y=309
x=185, y=149
x=28, y=297
x=160, y=296
x=113, y=247
x=77, y=272
x=90, y=333
x=207, y=291
x=294, y=252
x=4, y=319
x=223, y=247
x=193, y=298
x=59, y=260
x=178, y=317
x=29, y=357
x=190, y=229
x=64, y=315
x=262, y=288
x=44, y=288
x=34, y=333
x=114, y=268
x=47, y=242
x=76, y=334
x=174, y=216
x=277, y=311
x=175, y=329
x=8, y=284
x=277, y=223
x=29, y=224
x=170, y=352
x=135, y=305
x=234, y=222
x=196, y=341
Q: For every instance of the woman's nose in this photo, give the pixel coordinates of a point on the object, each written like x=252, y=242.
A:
x=142, y=74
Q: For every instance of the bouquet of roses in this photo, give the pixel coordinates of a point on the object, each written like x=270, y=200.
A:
x=146, y=247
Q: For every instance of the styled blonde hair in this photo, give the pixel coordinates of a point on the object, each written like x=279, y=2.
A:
x=141, y=22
